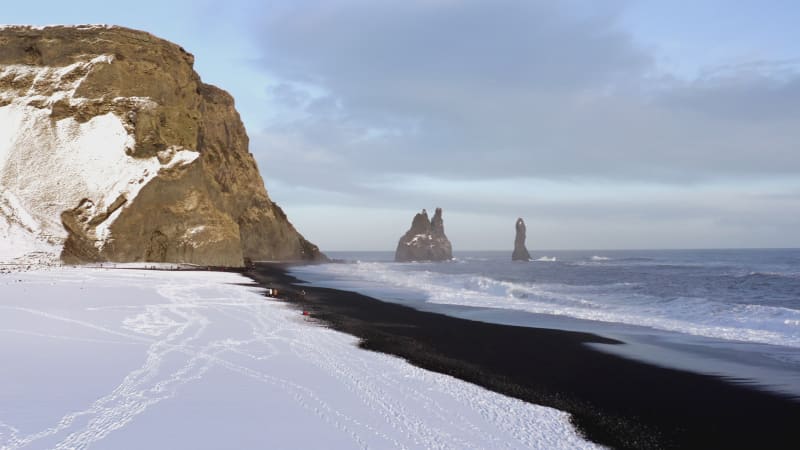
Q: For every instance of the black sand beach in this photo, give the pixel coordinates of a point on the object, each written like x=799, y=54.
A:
x=614, y=401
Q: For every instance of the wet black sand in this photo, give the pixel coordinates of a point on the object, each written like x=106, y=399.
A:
x=613, y=401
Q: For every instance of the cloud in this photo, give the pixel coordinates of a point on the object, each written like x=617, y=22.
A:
x=755, y=92
x=474, y=105
x=359, y=48
x=472, y=89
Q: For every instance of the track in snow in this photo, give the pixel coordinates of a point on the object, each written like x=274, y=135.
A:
x=143, y=359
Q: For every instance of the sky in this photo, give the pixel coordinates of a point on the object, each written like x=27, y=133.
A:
x=605, y=125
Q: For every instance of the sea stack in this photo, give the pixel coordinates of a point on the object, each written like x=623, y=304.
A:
x=113, y=149
x=425, y=240
x=520, y=252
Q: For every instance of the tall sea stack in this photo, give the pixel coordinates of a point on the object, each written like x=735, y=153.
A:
x=425, y=240
x=520, y=252
x=113, y=149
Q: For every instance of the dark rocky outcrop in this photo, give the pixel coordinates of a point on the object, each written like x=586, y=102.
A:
x=202, y=201
x=425, y=240
x=520, y=252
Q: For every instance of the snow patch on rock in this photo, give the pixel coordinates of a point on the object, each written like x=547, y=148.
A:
x=49, y=166
x=44, y=27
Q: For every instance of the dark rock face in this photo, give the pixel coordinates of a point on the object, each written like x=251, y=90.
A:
x=520, y=252
x=425, y=240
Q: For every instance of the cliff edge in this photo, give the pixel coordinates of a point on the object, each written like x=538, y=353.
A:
x=113, y=149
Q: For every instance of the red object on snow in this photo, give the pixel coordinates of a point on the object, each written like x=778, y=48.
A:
x=305, y=313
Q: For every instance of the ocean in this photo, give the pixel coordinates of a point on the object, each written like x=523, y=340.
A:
x=730, y=313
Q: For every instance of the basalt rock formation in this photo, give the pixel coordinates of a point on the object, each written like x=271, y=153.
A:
x=113, y=149
x=520, y=252
x=425, y=240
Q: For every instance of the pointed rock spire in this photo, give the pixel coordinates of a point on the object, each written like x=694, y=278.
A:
x=520, y=252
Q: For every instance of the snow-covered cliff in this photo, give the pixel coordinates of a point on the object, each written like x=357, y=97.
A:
x=112, y=148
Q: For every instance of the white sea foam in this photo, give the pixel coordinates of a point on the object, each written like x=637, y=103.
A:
x=614, y=303
x=599, y=258
x=546, y=259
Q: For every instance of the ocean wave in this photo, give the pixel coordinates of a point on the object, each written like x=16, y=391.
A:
x=599, y=258
x=546, y=259
x=613, y=303
x=771, y=275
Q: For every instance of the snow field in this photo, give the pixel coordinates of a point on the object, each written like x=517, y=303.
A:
x=153, y=359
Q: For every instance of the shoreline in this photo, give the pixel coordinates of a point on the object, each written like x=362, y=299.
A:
x=613, y=401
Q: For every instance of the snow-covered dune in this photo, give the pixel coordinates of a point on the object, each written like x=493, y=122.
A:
x=145, y=359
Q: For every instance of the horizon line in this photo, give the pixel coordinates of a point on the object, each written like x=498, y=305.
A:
x=591, y=249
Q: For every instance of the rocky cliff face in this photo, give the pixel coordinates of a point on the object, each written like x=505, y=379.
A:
x=113, y=149
x=425, y=240
x=520, y=252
